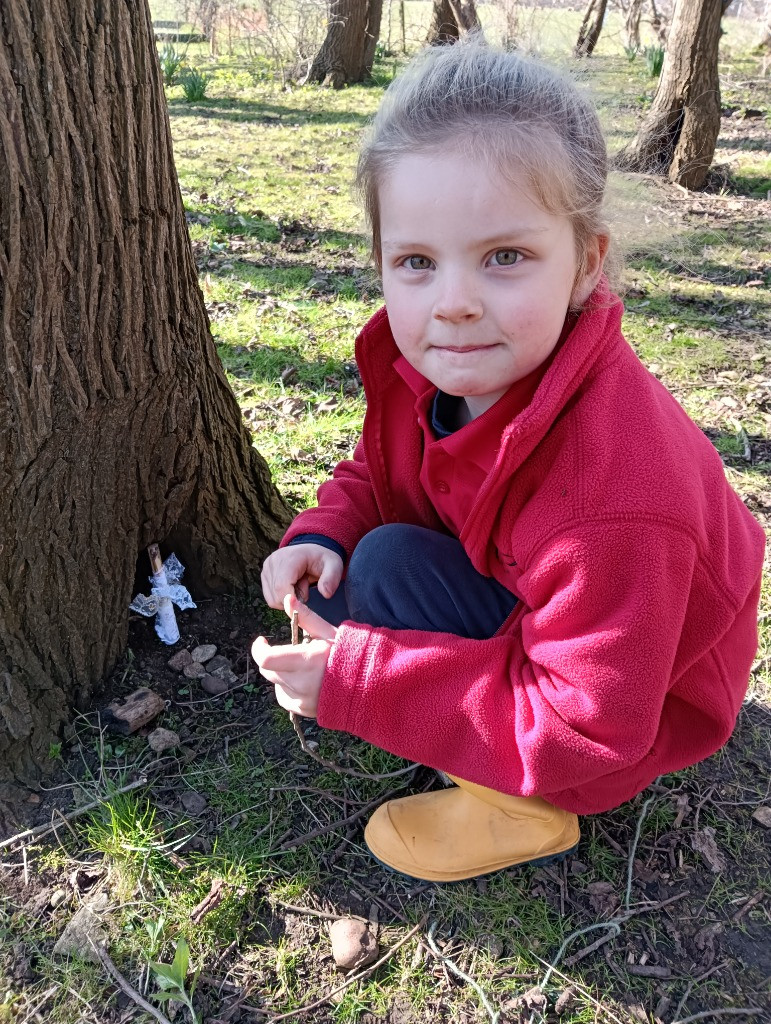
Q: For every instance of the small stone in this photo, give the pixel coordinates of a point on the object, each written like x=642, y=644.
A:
x=178, y=661
x=224, y=673
x=58, y=896
x=577, y=867
x=213, y=685
x=564, y=1001
x=216, y=664
x=204, y=653
x=762, y=815
x=84, y=931
x=353, y=944
x=33, y=798
x=162, y=739
x=193, y=802
x=194, y=670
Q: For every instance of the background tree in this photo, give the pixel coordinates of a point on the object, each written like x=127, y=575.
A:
x=590, y=29
x=348, y=51
x=118, y=427
x=450, y=19
x=679, y=134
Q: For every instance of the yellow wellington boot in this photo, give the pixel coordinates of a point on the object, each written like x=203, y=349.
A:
x=451, y=834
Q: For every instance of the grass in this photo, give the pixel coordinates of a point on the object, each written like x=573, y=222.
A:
x=265, y=177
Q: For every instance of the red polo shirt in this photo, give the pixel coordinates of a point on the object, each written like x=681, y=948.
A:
x=455, y=466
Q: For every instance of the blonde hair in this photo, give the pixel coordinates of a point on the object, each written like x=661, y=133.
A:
x=521, y=116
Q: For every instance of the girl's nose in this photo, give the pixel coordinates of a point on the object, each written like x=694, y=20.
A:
x=457, y=300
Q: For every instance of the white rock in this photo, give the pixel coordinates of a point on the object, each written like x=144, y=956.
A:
x=83, y=929
x=204, y=653
x=163, y=739
x=762, y=815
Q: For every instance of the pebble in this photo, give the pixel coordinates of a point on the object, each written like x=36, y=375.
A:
x=179, y=660
x=762, y=815
x=85, y=928
x=217, y=664
x=204, y=653
x=353, y=944
x=194, y=670
x=162, y=739
x=193, y=802
x=213, y=685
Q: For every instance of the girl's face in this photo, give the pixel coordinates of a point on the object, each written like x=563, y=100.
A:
x=477, y=277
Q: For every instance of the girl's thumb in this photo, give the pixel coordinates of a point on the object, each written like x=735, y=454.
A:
x=308, y=620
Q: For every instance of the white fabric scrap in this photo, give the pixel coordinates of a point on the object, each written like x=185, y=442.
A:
x=166, y=591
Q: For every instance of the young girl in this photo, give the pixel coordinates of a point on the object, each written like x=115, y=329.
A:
x=532, y=575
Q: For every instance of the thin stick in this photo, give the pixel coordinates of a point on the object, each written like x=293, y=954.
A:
x=323, y=760
x=633, y=848
x=584, y=991
x=131, y=992
x=750, y=1011
x=453, y=967
x=613, y=923
x=322, y=830
x=43, y=830
x=40, y=1003
x=356, y=977
x=320, y=913
x=571, y=961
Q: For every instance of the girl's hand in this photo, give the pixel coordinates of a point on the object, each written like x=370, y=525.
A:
x=297, y=671
x=291, y=570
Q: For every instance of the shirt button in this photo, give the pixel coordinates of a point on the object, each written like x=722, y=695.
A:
x=442, y=487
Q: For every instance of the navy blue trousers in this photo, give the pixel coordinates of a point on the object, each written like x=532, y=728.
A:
x=408, y=577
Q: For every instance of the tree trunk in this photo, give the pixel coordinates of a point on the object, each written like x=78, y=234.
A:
x=679, y=135
x=632, y=17
x=348, y=51
x=450, y=19
x=117, y=425
x=591, y=27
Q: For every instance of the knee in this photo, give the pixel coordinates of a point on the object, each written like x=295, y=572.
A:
x=380, y=550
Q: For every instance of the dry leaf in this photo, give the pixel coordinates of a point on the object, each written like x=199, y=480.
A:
x=703, y=842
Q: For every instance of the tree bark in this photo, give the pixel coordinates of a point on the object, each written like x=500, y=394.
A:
x=632, y=16
x=117, y=425
x=348, y=51
x=679, y=135
x=591, y=26
x=450, y=19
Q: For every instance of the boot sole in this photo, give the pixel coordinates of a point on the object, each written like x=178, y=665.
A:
x=553, y=858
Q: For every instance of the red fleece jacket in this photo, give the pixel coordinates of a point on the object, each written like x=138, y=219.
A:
x=637, y=569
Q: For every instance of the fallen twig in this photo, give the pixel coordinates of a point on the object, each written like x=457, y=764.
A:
x=356, y=977
x=319, y=913
x=571, y=961
x=633, y=847
x=751, y=1011
x=453, y=967
x=325, y=762
x=324, y=829
x=40, y=831
x=40, y=1003
x=124, y=985
x=613, y=923
x=584, y=991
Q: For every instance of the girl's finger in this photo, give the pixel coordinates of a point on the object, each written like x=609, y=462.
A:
x=308, y=620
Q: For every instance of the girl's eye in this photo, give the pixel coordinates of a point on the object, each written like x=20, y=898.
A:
x=418, y=263
x=505, y=258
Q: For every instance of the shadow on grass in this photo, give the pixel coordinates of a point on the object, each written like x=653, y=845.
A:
x=257, y=111
x=264, y=363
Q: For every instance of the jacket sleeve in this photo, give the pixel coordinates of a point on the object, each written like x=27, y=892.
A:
x=347, y=508
x=571, y=689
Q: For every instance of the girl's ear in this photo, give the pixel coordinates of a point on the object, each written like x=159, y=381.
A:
x=594, y=259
